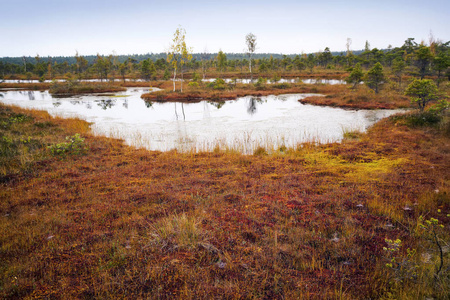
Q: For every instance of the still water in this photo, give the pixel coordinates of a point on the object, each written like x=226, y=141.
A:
x=284, y=80
x=227, y=80
x=242, y=124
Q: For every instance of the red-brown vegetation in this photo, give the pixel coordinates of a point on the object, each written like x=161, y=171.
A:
x=361, y=98
x=232, y=91
x=310, y=222
x=75, y=87
x=26, y=85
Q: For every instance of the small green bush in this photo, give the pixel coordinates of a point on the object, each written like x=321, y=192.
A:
x=74, y=145
x=260, y=83
x=218, y=84
x=193, y=84
x=196, y=77
x=426, y=118
x=19, y=118
x=275, y=78
x=282, y=86
x=436, y=116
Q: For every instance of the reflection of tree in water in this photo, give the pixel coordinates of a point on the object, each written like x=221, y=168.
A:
x=182, y=110
x=78, y=102
x=251, y=108
x=31, y=95
x=218, y=104
x=105, y=104
x=206, y=112
x=282, y=98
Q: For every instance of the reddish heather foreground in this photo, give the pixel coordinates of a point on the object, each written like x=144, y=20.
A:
x=311, y=222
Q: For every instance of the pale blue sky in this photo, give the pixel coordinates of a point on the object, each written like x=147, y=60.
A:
x=62, y=27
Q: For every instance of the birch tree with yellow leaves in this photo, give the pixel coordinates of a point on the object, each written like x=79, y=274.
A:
x=178, y=54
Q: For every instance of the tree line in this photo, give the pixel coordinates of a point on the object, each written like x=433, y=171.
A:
x=412, y=58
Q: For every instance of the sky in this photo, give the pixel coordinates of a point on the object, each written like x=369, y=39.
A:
x=64, y=27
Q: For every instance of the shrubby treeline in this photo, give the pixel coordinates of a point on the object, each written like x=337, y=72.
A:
x=412, y=58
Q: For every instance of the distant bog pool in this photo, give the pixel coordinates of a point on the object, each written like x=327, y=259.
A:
x=242, y=124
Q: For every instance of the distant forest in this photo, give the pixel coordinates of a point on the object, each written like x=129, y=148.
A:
x=152, y=56
x=411, y=58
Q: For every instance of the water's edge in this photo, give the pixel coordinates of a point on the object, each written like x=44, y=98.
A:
x=242, y=124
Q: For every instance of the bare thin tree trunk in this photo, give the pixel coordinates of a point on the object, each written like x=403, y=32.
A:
x=250, y=67
x=181, y=78
x=174, y=76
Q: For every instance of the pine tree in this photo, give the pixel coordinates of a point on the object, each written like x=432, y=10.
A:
x=355, y=76
x=375, y=77
x=422, y=92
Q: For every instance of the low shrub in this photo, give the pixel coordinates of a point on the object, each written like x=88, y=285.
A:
x=260, y=83
x=193, y=87
x=282, y=86
x=420, y=119
x=275, y=78
x=74, y=145
x=218, y=84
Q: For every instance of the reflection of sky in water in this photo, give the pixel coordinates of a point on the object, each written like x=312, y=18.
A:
x=242, y=124
x=285, y=80
x=228, y=80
